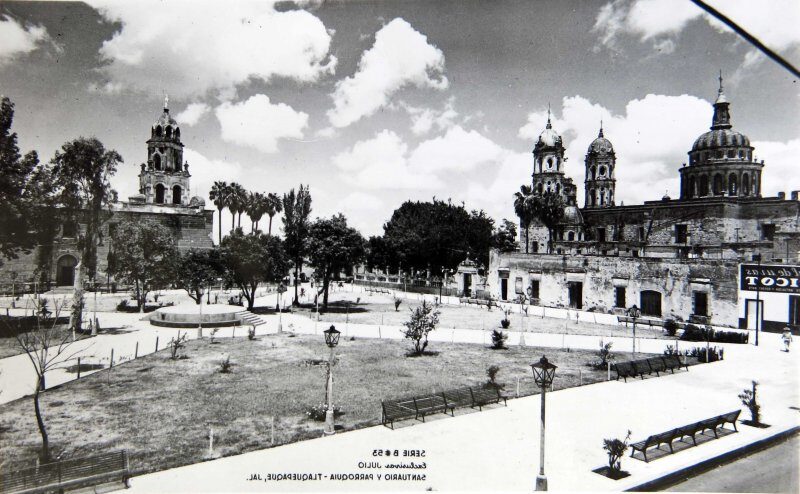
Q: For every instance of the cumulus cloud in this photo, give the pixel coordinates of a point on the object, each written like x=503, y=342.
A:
x=364, y=212
x=650, y=139
x=381, y=163
x=400, y=57
x=177, y=47
x=259, y=124
x=495, y=193
x=780, y=165
x=192, y=114
x=661, y=21
x=423, y=120
x=457, y=150
x=19, y=40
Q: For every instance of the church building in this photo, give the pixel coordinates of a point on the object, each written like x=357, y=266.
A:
x=163, y=197
x=673, y=258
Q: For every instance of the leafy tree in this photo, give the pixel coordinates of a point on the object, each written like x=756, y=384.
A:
x=424, y=319
x=380, y=254
x=48, y=347
x=438, y=235
x=548, y=208
x=26, y=214
x=296, y=209
x=237, y=201
x=523, y=207
x=615, y=449
x=197, y=271
x=332, y=248
x=273, y=206
x=504, y=238
x=145, y=256
x=255, y=209
x=81, y=174
x=219, y=196
x=750, y=400
x=252, y=259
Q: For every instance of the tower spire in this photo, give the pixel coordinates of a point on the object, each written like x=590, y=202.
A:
x=600, y=134
x=549, y=125
x=722, y=117
x=166, y=102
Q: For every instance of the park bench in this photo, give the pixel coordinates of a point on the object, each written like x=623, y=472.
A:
x=71, y=474
x=625, y=370
x=691, y=430
x=414, y=407
x=648, y=366
x=672, y=362
x=641, y=321
x=484, y=396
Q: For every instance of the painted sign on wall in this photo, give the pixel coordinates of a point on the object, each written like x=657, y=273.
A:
x=769, y=278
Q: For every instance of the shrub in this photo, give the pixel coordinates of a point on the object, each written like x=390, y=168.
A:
x=251, y=333
x=671, y=350
x=225, y=366
x=424, y=319
x=175, y=344
x=491, y=373
x=214, y=334
x=122, y=306
x=397, y=302
x=714, y=354
x=615, y=449
x=605, y=354
x=749, y=399
x=671, y=327
x=505, y=323
x=498, y=340
x=694, y=333
x=317, y=412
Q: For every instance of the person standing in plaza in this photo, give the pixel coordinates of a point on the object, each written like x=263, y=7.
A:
x=787, y=339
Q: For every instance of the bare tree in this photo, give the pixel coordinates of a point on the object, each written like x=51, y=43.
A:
x=47, y=345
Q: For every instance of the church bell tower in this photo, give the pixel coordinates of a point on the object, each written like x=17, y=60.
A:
x=164, y=179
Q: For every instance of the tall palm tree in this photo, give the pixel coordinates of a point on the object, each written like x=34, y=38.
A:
x=236, y=203
x=256, y=207
x=272, y=206
x=219, y=196
x=523, y=209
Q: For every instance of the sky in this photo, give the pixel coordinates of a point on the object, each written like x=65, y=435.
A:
x=375, y=102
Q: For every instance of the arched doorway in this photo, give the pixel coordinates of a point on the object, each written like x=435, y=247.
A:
x=65, y=270
x=176, y=194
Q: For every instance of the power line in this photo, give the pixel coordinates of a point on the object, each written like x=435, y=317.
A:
x=749, y=37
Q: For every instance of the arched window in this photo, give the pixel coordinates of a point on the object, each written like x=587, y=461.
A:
x=157, y=161
x=602, y=171
x=558, y=188
x=160, y=194
x=732, y=184
x=650, y=303
x=571, y=236
x=539, y=188
x=591, y=197
x=746, y=184
x=158, y=131
x=176, y=194
x=718, y=186
x=692, y=188
x=602, y=196
x=703, y=186
x=169, y=132
x=741, y=154
x=591, y=173
x=177, y=134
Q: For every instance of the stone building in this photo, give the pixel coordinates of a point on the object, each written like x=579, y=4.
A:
x=670, y=257
x=163, y=197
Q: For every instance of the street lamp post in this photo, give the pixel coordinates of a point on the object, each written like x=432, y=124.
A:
x=634, y=313
x=281, y=289
x=331, y=339
x=757, y=258
x=543, y=374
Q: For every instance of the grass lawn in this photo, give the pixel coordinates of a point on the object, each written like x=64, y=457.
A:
x=361, y=308
x=160, y=410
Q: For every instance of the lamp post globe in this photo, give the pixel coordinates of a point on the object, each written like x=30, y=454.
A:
x=331, y=339
x=543, y=374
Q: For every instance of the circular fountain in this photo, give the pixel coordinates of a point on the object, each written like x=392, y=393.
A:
x=189, y=316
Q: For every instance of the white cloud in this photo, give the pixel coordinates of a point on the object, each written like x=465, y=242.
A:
x=177, y=47
x=259, y=124
x=362, y=210
x=495, y=194
x=19, y=40
x=423, y=120
x=400, y=57
x=458, y=151
x=382, y=163
x=192, y=114
x=661, y=21
x=780, y=166
x=650, y=139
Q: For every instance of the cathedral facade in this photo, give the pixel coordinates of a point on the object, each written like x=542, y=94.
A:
x=163, y=198
x=676, y=258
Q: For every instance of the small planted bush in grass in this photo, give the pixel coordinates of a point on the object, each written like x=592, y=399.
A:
x=213, y=335
x=424, y=319
x=226, y=366
x=670, y=351
x=695, y=333
x=491, y=373
x=498, y=340
x=175, y=345
x=397, y=302
x=604, y=354
x=122, y=306
x=317, y=412
x=615, y=449
x=251, y=333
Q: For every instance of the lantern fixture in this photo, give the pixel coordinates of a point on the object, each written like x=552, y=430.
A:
x=544, y=372
x=332, y=336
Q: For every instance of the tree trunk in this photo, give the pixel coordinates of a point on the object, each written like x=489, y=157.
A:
x=326, y=281
x=76, y=317
x=45, y=455
x=269, y=232
x=527, y=240
x=297, y=268
x=239, y=222
x=233, y=220
x=141, y=298
x=220, y=225
x=250, y=295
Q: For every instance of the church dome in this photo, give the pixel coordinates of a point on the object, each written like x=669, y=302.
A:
x=548, y=137
x=601, y=144
x=718, y=138
x=572, y=216
x=197, y=201
x=166, y=126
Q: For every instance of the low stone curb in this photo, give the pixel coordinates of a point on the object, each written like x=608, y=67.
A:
x=678, y=476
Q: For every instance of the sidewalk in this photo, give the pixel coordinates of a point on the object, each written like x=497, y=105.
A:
x=497, y=450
